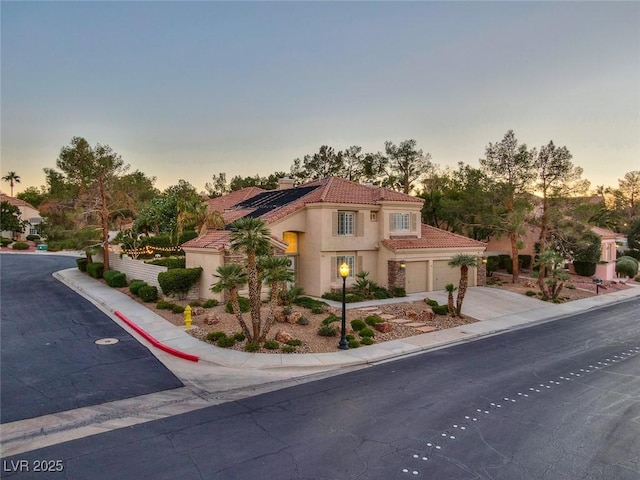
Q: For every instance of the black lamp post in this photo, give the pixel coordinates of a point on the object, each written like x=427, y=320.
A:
x=344, y=273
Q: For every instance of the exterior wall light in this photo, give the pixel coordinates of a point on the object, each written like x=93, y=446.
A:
x=344, y=273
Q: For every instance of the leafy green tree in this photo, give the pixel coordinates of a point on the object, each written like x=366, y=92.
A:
x=511, y=166
x=267, y=183
x=633, y=235
x=629, y=194
x=405, y=165
x=10, y=218
x=195, y=215
x=218, y=186
x=231, y=277
x=12, y=178
x=94, y=170
x=463, y=261
x=557, y=178
x=327, y=162
x=251, y=236
x=33, y=196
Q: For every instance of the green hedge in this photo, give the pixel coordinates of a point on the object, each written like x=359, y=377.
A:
x=20, y=246
x=178, y=280
x=82, y=264
x=136, y=285
x=95, y=269
x=148, y=293
x=169, y=262
x=584, y=269
x=115, y=279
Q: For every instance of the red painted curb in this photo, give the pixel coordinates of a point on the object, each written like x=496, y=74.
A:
x=156, y=343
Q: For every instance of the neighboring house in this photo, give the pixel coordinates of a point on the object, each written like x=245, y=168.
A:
x=27, y=212
x=320, y=225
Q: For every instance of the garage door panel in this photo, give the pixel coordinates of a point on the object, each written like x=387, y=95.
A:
x=416, y=277
x=443, y=274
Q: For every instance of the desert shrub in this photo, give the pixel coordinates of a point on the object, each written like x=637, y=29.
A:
x=432, y=303
x=148, y=293
x=164, y=305
x=136, y=285
x=584, y=269
x=503, y=261
x=353, y=343
x=399, y=292
x=4, y=241
x=82, y=264
x=95, y=269
x=327, y=331
x=239, y=337
x=20, y=246
x=371, y=320
x=212, y=302
x=169, y=262
x=440, y=310
x=226, y=342
x=271, y=344
x=178, y=281
x=252, y=347
x=530, y=293
x=330, y=319
x=312, y=304
x=244, y=303
x=215, y=335
x=295, y=342
x=177, y=309
x=367, y=332
x=115, y=279
x=381, y=293
x=358, y=324
x=350, y=337
x=493, y=263
x=303, y=321
x=627, y=267
x=288, y=349
x=524, y=261
x=32, y=237
x=195, y=303
x=353, y=297
x=349, y=297
x=367, y=341
x=318, y=309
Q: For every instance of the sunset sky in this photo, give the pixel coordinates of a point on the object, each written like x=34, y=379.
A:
x=185, y=90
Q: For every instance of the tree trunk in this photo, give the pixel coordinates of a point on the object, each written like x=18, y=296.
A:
x=272, y=312
x=254, y=294
x=513, y=238
x=235, y=305
x=450, y=307
x=104, y=217
x=462, y=288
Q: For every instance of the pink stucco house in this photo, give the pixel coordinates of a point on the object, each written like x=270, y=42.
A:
x=321, y=224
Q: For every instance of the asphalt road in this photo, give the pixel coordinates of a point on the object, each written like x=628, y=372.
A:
x=555, y=401
x=50, y=361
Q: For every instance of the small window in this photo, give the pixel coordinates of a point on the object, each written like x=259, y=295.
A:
x=291, y=239
x=349, y=260
x=373, y=216
x=346, y=223
x=400, y=222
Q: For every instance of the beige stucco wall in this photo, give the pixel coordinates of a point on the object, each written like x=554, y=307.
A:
x=209, y=260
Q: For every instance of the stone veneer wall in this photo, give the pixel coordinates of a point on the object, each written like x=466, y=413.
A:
x=396, y=276
x=482, y=273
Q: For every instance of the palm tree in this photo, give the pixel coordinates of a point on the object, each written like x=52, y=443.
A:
x=12, y=178
x=197, y=214
x=276, y=273
x=464, y=262
x=230, y=278
x=450, y=288
x=251, y=236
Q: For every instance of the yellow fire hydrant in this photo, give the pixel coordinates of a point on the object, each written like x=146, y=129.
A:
x=187, y=316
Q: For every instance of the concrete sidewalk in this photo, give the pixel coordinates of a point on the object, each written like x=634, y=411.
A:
x=497, y=310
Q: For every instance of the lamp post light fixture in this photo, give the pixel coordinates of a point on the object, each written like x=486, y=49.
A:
x=344, y=273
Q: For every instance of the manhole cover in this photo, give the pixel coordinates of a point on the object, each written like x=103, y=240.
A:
x=107, y=341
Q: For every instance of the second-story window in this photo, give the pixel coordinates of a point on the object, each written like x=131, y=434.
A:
x=400, y=222
x=346, y=223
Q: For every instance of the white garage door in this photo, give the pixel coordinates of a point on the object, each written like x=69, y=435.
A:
x=443, y=274
x=416, y=277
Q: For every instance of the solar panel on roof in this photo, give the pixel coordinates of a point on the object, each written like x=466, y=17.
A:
x=272, y=199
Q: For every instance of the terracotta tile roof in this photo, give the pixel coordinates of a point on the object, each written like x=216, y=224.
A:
x=432, y=238
x=15, y=201
x=230, y=200
x=604, y=233
x=215, y=239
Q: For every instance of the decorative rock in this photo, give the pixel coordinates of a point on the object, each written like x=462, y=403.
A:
x=281, y=317
x=197, y=311
x=293, y=317
x=211, y=319
x=411, y=314
x=283, y=336
x=427, y=315
x=383, y=327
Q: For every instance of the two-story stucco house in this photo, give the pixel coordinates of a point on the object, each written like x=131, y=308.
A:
x=322, y=224
x=27, y=212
